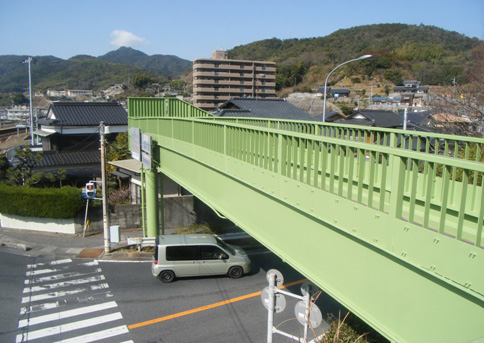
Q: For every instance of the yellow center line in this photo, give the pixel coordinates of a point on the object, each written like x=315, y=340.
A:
x=207, y=307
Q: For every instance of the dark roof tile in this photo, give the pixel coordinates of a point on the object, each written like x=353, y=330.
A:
x=86, y=114
x=263, y=108
x=54, y=158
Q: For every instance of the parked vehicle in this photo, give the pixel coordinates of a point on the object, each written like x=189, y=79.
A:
x=197, y=255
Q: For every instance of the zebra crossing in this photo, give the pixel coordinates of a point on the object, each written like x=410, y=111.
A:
x=66, y=301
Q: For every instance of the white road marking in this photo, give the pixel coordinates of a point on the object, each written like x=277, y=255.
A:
x=60, y=276
x=75, y=282
x=40, y=272
x=46, y=271
x=96, y=336
x=61, y=293
x=66, y=314
x=53, y=263
x=37, y=308
x=55, y=330
x=78, y=300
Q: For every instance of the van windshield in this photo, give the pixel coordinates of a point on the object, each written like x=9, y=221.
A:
x=225, y=246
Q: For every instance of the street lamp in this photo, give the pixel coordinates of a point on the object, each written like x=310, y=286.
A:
x=28, y=60
x=364, y=57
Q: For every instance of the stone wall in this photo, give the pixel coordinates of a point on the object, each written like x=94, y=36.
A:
x=178, y=212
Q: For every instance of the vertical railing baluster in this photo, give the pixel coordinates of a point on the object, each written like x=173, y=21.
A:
x=462, y=207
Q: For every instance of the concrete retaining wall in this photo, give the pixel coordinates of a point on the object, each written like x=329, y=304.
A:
x=66, y=226
x=181, y=211
x=178, y=212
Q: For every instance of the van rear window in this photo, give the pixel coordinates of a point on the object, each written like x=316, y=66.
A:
x=181, y=253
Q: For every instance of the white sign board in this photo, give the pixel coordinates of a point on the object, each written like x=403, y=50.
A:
x=146, y=150
x=135, y=137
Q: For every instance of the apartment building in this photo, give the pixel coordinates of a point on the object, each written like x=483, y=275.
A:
x=218, y=79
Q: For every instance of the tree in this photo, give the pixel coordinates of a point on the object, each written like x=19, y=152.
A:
x=3, y=167
x=466, y=100
x=141, y=80
x=21, y=171
x=117, y=151
x=19, y=99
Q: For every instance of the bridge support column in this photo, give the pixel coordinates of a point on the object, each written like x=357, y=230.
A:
x=152, y=209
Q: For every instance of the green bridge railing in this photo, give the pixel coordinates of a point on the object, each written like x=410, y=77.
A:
x=422, y=182
x=437, y=182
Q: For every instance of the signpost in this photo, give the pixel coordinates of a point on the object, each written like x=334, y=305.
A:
x=307, y=313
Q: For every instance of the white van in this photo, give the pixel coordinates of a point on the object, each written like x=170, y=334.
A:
x=197, y=255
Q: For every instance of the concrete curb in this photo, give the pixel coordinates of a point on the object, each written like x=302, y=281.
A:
x=19, y=246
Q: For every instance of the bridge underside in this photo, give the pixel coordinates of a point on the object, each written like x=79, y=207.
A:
x=302, y=225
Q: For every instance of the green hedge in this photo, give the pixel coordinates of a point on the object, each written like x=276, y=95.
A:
x=54, y=203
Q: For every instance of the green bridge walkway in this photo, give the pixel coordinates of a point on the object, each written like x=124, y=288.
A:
x=387, y=222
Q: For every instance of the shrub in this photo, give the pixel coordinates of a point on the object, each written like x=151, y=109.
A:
x=54, y=203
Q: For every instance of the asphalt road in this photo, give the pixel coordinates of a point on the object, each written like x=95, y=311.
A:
x=12, y=276
x=189, y=310
x=47, y=300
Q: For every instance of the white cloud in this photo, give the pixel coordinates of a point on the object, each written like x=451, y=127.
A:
x=125, y=38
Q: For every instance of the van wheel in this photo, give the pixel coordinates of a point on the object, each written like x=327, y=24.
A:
x=235, y=272
x=166, y=276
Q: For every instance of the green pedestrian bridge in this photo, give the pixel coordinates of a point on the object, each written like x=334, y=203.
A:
x=387, y=222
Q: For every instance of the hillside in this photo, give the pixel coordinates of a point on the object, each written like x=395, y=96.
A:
x=86, y=72
x=165, y=65
x=426, y=53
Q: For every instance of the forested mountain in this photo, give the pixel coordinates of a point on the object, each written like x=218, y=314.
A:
x=166, y=65
x=86, y=72
x=426, y=53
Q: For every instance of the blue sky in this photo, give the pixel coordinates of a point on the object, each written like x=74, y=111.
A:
x=191, y=29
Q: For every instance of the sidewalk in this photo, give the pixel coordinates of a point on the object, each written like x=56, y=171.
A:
x=45, y=244
x=57, y=245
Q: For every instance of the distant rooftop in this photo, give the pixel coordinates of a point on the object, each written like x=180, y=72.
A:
x=271, y=108
x=85, y=114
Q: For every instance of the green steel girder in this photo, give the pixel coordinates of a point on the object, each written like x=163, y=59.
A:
x=372, y=224
x=341, y=246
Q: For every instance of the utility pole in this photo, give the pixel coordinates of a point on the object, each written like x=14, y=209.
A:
x=28, y=60
x=104, y=189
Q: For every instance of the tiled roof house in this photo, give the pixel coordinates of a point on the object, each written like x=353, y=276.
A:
x=70, y=135
x=273, y=108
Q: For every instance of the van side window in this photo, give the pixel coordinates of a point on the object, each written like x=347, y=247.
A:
x=210, y=252
x=181, y=253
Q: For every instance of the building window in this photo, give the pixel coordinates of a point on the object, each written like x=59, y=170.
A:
x=241, y=82
x=263, y=67
x=215, y=72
